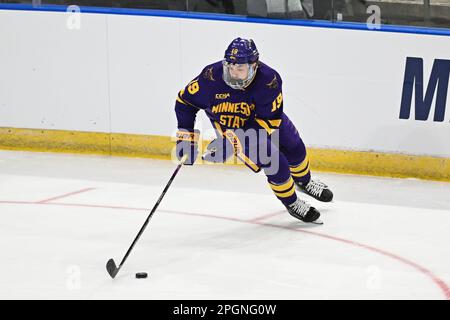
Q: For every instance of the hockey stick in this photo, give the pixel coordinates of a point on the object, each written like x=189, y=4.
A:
x=111, y=267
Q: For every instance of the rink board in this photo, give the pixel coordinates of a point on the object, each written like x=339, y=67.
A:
x=81, y=83
x=161, y=147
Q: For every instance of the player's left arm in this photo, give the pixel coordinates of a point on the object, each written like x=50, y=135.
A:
x=269, y=105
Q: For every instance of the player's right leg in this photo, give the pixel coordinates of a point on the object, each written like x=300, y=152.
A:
x=292, y=146
x=259, y=152
x=283, y=186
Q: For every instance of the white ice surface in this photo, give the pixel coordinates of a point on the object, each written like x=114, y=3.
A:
x=219, y=234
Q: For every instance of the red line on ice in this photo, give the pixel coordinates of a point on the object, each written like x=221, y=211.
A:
x=266, y=216
x=65, y=195
x=436, y=280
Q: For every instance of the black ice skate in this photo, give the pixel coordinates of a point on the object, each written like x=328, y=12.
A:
x=304, y=212
x=317, y=190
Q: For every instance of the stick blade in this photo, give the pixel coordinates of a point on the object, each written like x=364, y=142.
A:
x=112, y=268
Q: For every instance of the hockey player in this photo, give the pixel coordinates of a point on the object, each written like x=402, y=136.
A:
x=243, y=97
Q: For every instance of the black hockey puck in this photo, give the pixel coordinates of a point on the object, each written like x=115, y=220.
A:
x=141, y=275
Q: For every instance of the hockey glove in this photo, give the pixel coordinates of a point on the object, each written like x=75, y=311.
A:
x=187, y=145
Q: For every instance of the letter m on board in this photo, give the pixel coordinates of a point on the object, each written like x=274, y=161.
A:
x=438, y=84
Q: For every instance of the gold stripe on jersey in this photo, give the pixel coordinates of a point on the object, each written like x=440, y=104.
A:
x=284, y=186
x=264, y=125
x=300, y=170
x=184, y=101
x=269, y=125
x=285, y=194
x=283, y=190
x=181, y=101
x=301, y=174
x=300, y=167
x=275, y=123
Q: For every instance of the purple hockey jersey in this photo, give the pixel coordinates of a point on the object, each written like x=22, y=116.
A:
x=260, y=104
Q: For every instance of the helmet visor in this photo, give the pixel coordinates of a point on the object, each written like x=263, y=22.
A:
x=237, y=76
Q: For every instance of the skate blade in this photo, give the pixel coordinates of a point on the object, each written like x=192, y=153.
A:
x=318, y=221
